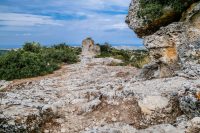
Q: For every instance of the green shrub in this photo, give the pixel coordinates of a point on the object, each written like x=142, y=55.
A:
x=32, y=47
x=60, y=46
x=153, y=9
x=68, y=49
x=136, y=58
x=67, y=55
x=23, y=64
x=105, y=50
x=2, y=52
x=33, y=60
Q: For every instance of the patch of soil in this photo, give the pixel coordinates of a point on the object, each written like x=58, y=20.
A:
x=126, y=111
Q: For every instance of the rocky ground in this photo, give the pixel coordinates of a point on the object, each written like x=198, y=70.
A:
x=93, y=96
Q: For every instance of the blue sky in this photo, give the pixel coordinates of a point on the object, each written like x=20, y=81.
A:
x=55, y=21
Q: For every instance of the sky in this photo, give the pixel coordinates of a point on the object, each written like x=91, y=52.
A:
x=70, y=21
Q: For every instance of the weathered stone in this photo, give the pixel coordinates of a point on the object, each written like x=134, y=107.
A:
x=142, y=26
x=194, y=125
x=89, y=48
x=189, y=102
x=112, y=128
x=151, y=103
x=172, y=47
x=124, y=128
x=3, y=84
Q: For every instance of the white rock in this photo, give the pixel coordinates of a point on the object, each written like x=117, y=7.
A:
x=151, y=103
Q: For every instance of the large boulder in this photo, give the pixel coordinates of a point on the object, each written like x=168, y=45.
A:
x=173, y=45
x=89, y=48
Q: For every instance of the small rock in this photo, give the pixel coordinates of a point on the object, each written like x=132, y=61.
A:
x=46, y=131
x=194, y=125
x=114, y=119
x=151, y=103
x=63, y=130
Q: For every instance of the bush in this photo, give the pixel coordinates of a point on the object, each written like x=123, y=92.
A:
x=105, y=50
x=2, y=52
x=23, y=64
x=33, y=60
x=63, y=46
x=153, y=9
x=67, y=55
x=32, y=47
x=136, y=58
x=60, y=46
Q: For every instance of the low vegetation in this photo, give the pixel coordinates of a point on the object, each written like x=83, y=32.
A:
x=34, y=60
x=153, y=9
x=135, y=58
x=2, y=52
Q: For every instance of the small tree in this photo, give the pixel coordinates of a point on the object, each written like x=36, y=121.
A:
x=32, y=47
x=61, y=46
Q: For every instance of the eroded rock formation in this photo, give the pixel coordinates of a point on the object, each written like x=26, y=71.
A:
x=89, y=48
x=175, y=47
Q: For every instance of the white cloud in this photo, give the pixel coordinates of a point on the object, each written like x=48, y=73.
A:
x=120, y=26
x=16, y=19
x=101, y=19
x=89, y=4
x=24, y=34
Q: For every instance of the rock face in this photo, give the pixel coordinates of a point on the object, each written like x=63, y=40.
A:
x=189, y=100
x=144, y=21
x=173, y=47
x=89, y=48
x=194, y=125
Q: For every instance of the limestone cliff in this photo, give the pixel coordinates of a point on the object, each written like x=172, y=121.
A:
x=173, y=38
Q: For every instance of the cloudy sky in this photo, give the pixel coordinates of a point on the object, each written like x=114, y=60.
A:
x=55, y=21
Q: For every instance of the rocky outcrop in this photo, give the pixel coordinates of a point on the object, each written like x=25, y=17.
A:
x=89, y=48
x=174, y=48
x=146, y=17
x=175, y=52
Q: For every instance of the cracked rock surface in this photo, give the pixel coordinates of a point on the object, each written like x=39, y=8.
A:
x=92, y=96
